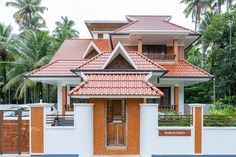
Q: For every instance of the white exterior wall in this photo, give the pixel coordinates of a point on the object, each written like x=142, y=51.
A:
x=72, y=140
x=219, y=140
x=181, y=98
x=153, y=144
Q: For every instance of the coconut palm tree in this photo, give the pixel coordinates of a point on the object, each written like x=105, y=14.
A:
x=64, y=30
x=217, y=4
x=229, y=5
x=196, y=8
x=27, y=9
x=6, y=43
x=33, y=50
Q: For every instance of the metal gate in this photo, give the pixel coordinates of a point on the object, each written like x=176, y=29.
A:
x=14, y=131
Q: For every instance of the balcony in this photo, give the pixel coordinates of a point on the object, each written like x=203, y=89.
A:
x=160, y=57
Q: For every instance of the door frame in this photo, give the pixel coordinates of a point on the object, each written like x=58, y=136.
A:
x=126, y=125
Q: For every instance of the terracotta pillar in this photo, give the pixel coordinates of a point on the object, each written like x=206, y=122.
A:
x=176, y=98
x=64, y=99
x=176, y=49
x=140, y=46
x=198, y=126
x=37, y=119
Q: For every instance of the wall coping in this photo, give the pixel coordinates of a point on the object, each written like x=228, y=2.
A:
x=146, y=104
x=219, y=128
x=197, y=105
x=83, y=104
x=41, y=105
x=175, y=127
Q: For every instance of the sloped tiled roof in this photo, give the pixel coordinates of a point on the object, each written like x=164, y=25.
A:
x=184, y=69
x=142, y=62
x=118, y=84
x=57, y=68
x=74, y=49
x=150, y=22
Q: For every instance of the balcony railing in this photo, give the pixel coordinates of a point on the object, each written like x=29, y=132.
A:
x=163, y=108
x=160, y=57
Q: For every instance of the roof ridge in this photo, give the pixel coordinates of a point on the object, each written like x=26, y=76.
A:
x=118, y=29
x=197, y=67
x=77, y=87
x=157, y=90
x=159, y=66
x=151, y=15
x=90, y=60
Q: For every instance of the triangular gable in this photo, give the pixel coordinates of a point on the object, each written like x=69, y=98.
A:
x=90, y=49
x=119, y=49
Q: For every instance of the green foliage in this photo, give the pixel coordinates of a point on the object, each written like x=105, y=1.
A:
x=28, y=14
x=33, y=49
x=64, y=30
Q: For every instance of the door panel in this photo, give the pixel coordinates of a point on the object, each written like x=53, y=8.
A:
x=116, y=123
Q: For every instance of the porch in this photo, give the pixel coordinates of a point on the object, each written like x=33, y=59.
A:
x=173, y=99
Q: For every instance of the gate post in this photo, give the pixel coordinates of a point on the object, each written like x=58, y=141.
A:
x=1, y=131
x=19, y=139
x=37, y=127
x=197, y=112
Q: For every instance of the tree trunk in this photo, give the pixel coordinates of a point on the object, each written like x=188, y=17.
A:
x=4, y=75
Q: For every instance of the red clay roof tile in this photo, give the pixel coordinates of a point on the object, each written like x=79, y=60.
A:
x=150, y=22
x=119, y=84
x=74, y=49
x=142, y=62
x=185, y=69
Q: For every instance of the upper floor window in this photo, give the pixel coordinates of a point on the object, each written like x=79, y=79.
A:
x=100, y=36
x=154, y=49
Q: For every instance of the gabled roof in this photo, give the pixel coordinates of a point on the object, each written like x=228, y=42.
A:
x=151, y=23
x=119, y=49
x=74, y=49
x=184, y=69
x=89, y=49
x=116, y=84
x=141, y=62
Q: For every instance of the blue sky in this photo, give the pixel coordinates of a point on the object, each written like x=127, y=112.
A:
x=80, y=10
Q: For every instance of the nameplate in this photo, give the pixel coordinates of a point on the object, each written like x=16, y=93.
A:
x=174, y=132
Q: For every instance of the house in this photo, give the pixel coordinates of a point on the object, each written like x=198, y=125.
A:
x=108, y=80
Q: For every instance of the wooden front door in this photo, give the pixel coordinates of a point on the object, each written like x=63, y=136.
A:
x=116, y=123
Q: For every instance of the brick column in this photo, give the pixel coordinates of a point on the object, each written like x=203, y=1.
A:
x=140, y=46
x=197, y=112
x=176, y=98
x=37, y=122
x=64, y=99
x=176, y=49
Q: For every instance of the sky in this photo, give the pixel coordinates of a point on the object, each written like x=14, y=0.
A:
x=80, y=10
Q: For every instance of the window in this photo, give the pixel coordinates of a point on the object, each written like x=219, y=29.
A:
x=154, y=49
x=100, y=36
x=163, y=100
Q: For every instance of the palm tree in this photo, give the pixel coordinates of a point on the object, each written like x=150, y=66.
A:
x=6, y=44
x=27, y=9
x=33, y=50
x=64, y=29
x=217, y=4
x=229, y=5
x=196, y=8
